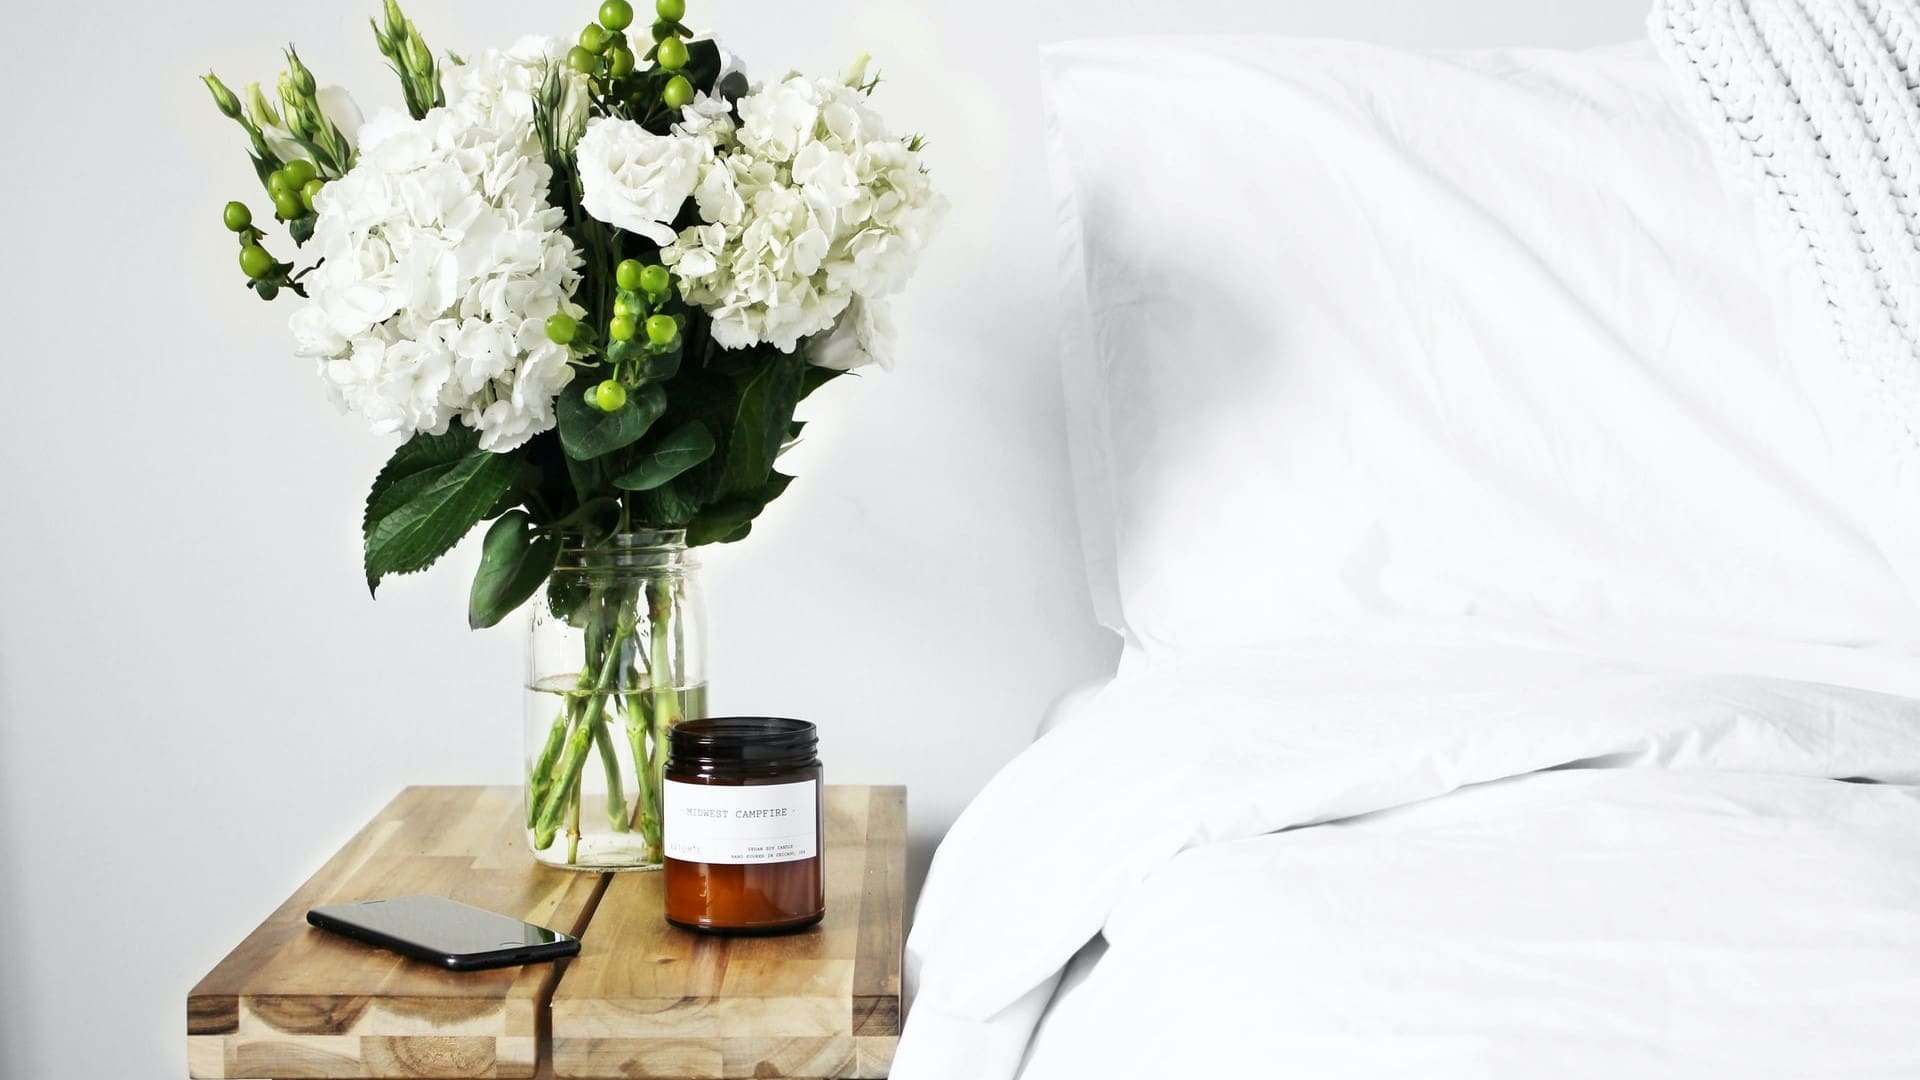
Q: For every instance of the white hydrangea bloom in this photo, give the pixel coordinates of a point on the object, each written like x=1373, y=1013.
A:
x=496, y=89
x=864, y=335
x=442, y=262
x=635, y=180
x=808, y=203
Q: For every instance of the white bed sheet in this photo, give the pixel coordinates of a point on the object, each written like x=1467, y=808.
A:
x=1580, y=923
x=1697, y=897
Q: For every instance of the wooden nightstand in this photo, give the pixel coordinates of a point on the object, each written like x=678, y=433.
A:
x=642, y=999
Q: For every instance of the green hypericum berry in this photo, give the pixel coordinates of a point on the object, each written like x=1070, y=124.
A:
x=287, y=204
x=561, y=328
x=593, y=37
x=661, y=329
x=619, y=60
x=672, y=54
x=581, y=60
x=654, y=280
x=255, y=262
x=678, y=93
x=237, y=216
x=621, y=328
x=670, y=10
x=299, y=171
x=616, y=14
x=280, y=180
x=310, y=191
x=609, y=396
x=623, y=308
x=627, y=274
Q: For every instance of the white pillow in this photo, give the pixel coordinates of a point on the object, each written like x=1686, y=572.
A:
x=1353, y=331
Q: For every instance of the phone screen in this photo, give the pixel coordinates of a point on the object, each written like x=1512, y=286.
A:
x=439, y=925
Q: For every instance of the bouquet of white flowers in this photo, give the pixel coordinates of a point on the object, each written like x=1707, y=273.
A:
x=589, y=284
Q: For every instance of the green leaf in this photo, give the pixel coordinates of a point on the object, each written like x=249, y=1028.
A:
x=585, y=476
x=668, y=506
x=586, y=432
x=676, y=452
x=430, y=494
x=622, y=352
x=729, y=520
x=815, y=378
x=764, y=410
x=703, y=63
x=663, y=364
x=568, y=597
x=420, y=454
x=514, y=559
x=657, y=363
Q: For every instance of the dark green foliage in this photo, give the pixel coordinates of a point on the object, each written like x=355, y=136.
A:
x=432, y=491
x=514, y=559
x=674, y=453
x=586, y=432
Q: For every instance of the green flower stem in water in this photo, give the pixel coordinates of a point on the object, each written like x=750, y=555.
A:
x=565, y=790
x=616, y=792
x=643, y=812
x=639, y=681
x=666, y=695
x=540, y=777
x=573, y=825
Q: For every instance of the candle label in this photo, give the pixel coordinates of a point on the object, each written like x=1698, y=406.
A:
x=768, y=823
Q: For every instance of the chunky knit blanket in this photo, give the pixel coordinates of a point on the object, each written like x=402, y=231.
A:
x=1815, y=107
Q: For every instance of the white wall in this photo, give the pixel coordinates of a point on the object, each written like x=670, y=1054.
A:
x=198, y=702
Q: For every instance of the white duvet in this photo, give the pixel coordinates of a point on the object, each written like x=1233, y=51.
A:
x=1440, y=854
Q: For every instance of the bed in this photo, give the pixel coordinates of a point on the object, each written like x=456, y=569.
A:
x=1516, y=571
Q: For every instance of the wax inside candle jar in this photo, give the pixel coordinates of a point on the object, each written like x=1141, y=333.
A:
x=744, y=836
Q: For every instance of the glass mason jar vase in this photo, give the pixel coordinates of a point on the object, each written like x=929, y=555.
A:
x=616, y=655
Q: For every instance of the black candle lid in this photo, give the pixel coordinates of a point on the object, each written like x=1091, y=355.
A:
x=743, y=740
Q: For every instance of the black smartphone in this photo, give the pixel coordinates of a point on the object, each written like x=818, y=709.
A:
x=450, y=934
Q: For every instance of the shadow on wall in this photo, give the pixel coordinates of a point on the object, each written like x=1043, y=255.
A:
x=15, y=976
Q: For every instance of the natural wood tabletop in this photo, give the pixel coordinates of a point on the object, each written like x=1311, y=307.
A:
x=643, y=999
x=647, y=999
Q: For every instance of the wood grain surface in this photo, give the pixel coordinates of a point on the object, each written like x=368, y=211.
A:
x=645, y=999
x=642, y=1000
x=292, y=1001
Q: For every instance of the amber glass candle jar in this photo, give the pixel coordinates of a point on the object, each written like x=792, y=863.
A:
x=744, y=838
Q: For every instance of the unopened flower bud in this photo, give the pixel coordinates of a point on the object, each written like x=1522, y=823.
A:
x=259, y=109
x=299, y=121
x=303, y=80
x=223, y=98
x=419, y=57
x=856, y=73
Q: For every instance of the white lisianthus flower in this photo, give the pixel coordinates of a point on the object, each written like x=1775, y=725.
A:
x=808, y=205
x=864, y=335
x=635, y=180
x=442, y=260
